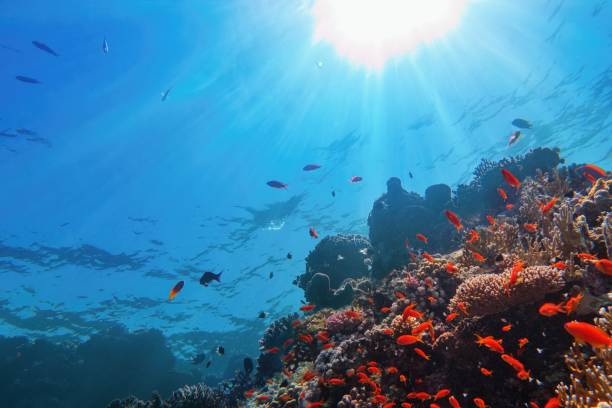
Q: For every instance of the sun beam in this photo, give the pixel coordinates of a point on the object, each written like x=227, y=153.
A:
x=370, y=32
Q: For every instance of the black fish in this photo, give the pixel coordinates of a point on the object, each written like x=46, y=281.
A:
x=6, y=134
x=220, y=350
x=208, y=277
x=522, y=123
x=289, y=256
x=27, y=132
x=333, y=193
x=277, y=184
x=64, y=224
x=198, y=359
x=262, y=315
x=410, y=174
x=45, y=48
x=311, y=167
x=164, y=95
x=208, y=364
x=271, y=275
x=27, y=79
x=248, y=365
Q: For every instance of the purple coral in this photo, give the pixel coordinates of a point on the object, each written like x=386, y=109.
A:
x=344, y=321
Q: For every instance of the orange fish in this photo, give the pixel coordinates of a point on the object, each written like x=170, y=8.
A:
x=423, y=396
x=306, y=338
x=391, y=370
x=407, y=339
x=443, y=393
x=490, y=219
x=272, y=350
x=451, y=316
x=479, y=402
x=559, y=265
x=572, y=303
x=594, y=169
x=389, y=405
x=533, y=228
x=327, y=346
x=507, y=327
x=336, y=381
x=453, y=401
x=175, y=290
x=421, y=328
x=307, y=308
x=249, y=393
x=406, y=405
x=523, y=375
x=399, y=295
x=403, y=379
x=486, y=372
x=461, y=306
x=410, y=312
x=510, y=179
x=522, y=342
x=432, y=300
x=550, y=309
x=509, y=206
x=588, y=333
x=604, y=266
x=533, y=404
x=490, y=343
x=422, y=237
x=296, y=323
x=474, y=236
x=545, y=208
x=517, y=267
x=428, y=257
x=421, y=353
x=477, y=257
x=388, y=331
x=385, y=309
x=513, y=362
x=374, y=370
x=502, y=193
x=323, y=336
x=313, y=233
x=263, y=398
x=308, y=375
x=315, y=404
x=586, y=257
x=553, y=403
x=451, y=268
x=432, y=405
x=454, y=219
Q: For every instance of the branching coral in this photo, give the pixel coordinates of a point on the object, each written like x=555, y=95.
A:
x=487, y=294
x=590, y=372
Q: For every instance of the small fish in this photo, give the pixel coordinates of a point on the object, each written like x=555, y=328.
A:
x=421, y=353
x=423, y=396
x=407, y=339
x=509, y=206
x=454, y=219
x=452, y=316
x=522, y=342
x=333, y=193
x=262, y=315
x=198, y=359
x=604, y=266
x=105, y=46
x=249, y=393
x=385, y=310
x=513, y=279
x=45, y=48
x=490, y=219
x=510, y=179
x=220, y=350
x=247, y=363
x=272, y=350
x=588, y=333
x=339, y=257
x=453, y=402
x=513, y=362
x=572, y=303
x=586, y=257
x=311, y=167
x=522, y=123
x=313, y=233
x=532, y=228
x=25, y=132
x=176, y=289
x=550, y=309
x=507, y=327
x=477, y=257
x=490, y=343
x=208, y=364
x=451, y=268
x=336, y=381
x=480, y=403
x=277, y=184
x=399, y=294
x=486, y=372
x=27, y=79
x=427, y=256
x=553, y=403
x=289, y=255
x=443, y=393
x=356, y=179
x=514, y=137
x=307, y=308
x=164, y=95
x=422, y=237
x=474, y=236
x=207, y=277
x=502, y=193
x=545, y=208
x=410, y=174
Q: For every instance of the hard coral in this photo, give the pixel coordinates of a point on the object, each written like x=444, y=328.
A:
x=487, y=294
x=344, y=321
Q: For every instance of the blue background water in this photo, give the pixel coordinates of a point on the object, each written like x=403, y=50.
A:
x=127, y=194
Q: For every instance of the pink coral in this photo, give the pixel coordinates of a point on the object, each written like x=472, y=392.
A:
x=344, y=321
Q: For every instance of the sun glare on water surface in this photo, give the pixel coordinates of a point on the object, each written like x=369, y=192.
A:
x=370, y=32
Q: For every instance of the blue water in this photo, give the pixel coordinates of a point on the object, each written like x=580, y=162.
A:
x=122, y=194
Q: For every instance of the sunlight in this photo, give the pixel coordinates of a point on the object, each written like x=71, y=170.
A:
x=370, y=32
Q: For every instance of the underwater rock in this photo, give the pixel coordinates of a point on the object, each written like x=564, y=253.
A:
x=438, y=196
x=189, y=396
x=333, y=269
x=275, y=335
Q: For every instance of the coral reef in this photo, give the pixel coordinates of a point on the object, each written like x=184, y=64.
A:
x=275, y=335
x=188, y=396
x=333, y=269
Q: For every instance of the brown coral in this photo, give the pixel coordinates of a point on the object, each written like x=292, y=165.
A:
x=486, y=294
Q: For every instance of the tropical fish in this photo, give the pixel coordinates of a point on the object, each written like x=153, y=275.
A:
x=391, y=370
x=313, y=233
x=490, y=219
x=553, y=403
x=45, y=48
x=176, y=289
x=247, y=363
x=385, y=309
x=507, y=327
x=407, y=339
x=105, y=46
x=398, y=294
x=311, y=167
x=510, y=179
x=333, y=193
x=509, y=206
x=249, y=393
x=323, y=336
x=522, y=123
x=261, y=315
x=452, y=316
x=422, y=237
x=272, y=350
x=451, y=268
x=480, y=403
x=220, y=350
x=427, y=256
x=423, y=396
x=514, y=273
x=522, y=342
x=164, y=95
x=513, y=362
x=514, y=137
x=25, y=132
x=586, y=257
x=307, y=308
x=532, y=228
x=336, y=381
x=588, y=333
x=271, y=275
x=410, y=174
x=316, y=404
x=477, y=257
x=443, y=393
x=454, y=219
x=490, y=343
x=27, y=79
x=207, y=277
x=550, y=309
x=474, y=236
x=356, y=179
x=486, y=372
x=545, y=208
x=604, y=266
x=289, y=255
x=421, y=353
x=523, y=375
x=572, y=303
x=453, y=402
x=277, y=184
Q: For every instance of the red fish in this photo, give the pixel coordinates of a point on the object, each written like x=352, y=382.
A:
x=454, y=219
x=486, y=372
x=410, y=312
x=532, y=228
x=336, y=381
x=389, y=405
x=422, y=237
x=421, y=328
x=175, y=290
x=323, y=336
x=514, y=275
x=308, y=375
x=509, y=206
x=374, y=370
x=474, y=236
x=388, y=331
x=595, y=170
x=316, y=404
x=272, y=350
x=406, y=405
x=306, y=338
x=522, y=342
x=559, y=265
x=391, y=370
x=502, y=193
x=586, y=257
x=604, y=266
x=433, y=405
x=490, y=219
x=588, y=333
x=399, y=295
x=545, y=208
x=385, y=309
x=423, y=396
x=421, y=353
x=550, y=309
x=477, y=257
x=307, y=308
x=572, y=303
x=453, y=401
x=452, y=316
x=510, y=179
x=479, y=402
x=263, y=398
x=513, y=362
x=313, y=233
x=403, y=379
x=249, y=393
x=461, y=306
x=553, y=403
x=327, y=346
x=451, y=268
x=356, y=179
x=428, y=257
x=490, y=343
x=523, y=375
x=443, y=393
x=533, y=404
x=407, y=339
x=507, y=327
